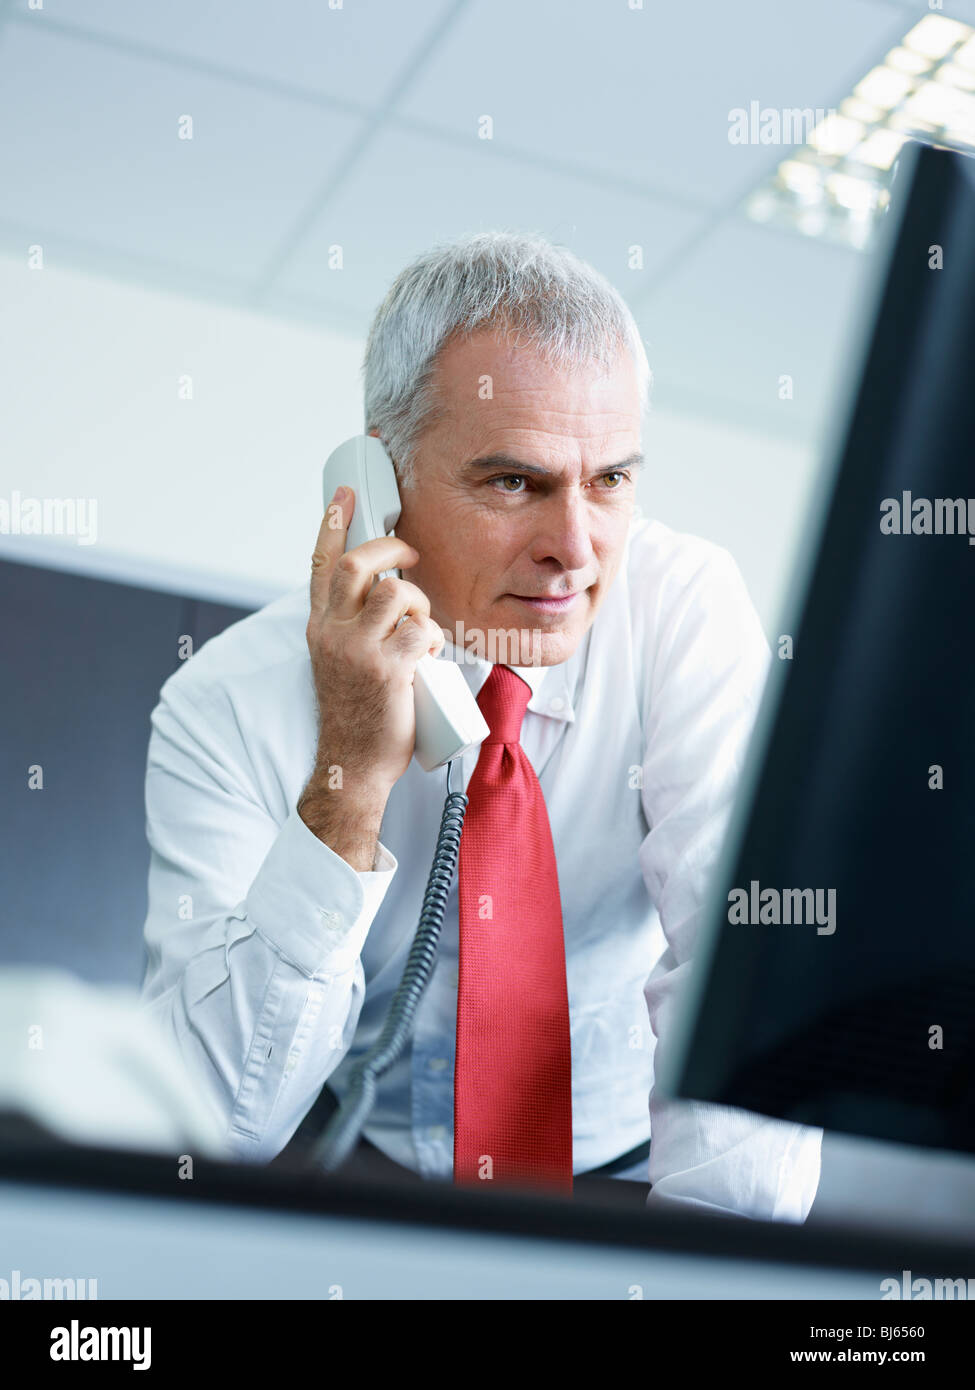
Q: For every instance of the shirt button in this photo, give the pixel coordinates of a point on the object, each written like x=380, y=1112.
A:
x=332, y=920
x=557, y=704
x=437, y=1063
x=437, y=1132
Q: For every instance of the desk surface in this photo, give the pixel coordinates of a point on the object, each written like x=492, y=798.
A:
x=242, y=1231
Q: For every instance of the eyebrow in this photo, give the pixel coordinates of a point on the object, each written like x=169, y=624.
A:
x=514, y=465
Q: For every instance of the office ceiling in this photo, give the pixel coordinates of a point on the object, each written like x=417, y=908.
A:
x=357, y=126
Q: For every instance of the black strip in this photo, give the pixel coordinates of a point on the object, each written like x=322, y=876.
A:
x=441, y=1205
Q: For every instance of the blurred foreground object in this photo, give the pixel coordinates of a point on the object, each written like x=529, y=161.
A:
x=86, y=1064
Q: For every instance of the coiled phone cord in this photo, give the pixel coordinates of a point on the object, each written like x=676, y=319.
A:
x=343, y=1130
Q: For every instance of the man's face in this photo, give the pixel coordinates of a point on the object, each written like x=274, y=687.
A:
x=522, y=496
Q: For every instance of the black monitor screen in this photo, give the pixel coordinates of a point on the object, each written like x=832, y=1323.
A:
x=835, y=981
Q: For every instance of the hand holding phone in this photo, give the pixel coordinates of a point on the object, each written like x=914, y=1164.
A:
x=359, y=640
x=363, y=659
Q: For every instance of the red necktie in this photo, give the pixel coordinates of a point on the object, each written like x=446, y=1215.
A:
x=513, y=1071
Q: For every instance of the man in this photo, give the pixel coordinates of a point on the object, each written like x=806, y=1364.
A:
x=292, y=832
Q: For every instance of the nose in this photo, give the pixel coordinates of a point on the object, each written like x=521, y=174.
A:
x=562, y=525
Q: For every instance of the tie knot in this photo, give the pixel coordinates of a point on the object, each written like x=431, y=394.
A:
x=503, y=700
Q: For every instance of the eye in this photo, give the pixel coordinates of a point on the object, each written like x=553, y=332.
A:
x=507, y=478
x=620, y=474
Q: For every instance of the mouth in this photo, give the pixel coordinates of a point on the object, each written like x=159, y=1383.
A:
x=542, y=603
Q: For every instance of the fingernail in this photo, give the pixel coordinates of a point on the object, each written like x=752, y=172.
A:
x=341, y=493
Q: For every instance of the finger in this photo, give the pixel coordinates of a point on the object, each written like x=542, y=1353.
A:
x=415, y=638
x=388, y=603
x=330, y=545
x=438, y=638
x=354, y=572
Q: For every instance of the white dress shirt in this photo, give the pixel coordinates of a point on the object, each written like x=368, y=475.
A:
x=273, y=961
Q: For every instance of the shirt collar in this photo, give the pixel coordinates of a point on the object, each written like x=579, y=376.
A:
x=553, y=687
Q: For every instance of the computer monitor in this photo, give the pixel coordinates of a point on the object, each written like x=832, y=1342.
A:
x=834, y=980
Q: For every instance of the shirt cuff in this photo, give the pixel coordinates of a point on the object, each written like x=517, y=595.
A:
x=311, y=905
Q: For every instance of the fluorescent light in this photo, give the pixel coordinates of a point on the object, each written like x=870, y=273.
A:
x=837, y=184
x=837, y=135
x=961, y=135
x=884, y=87
x=966, y=55
x=935, y=36
x=880, y=149
x=941, y=104
x=906, y=61
x=800, y=176
x=954, y=76
x=855, y=194
x=903, y=120
x=859, y=110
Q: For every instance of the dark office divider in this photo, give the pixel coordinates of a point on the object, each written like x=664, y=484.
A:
x=83, y=661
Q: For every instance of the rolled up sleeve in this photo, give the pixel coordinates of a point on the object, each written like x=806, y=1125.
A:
x=254, y=930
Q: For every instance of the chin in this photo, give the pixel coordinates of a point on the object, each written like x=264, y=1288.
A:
x=546, y=648
x=545, y=643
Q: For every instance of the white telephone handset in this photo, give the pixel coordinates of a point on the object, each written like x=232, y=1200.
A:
x=448, y=718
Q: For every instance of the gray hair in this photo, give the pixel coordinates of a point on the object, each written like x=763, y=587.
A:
x=554, y=302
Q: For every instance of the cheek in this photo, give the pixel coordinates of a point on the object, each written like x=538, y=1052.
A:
x=454, y=574
x=609, y=537
x=487, y=549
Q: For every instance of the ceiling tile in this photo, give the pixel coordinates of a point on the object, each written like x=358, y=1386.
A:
x=408, y=193
x=610, y=130
x=352, y=53
x=645, y=93
x=98, y=158
x=750, y=305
